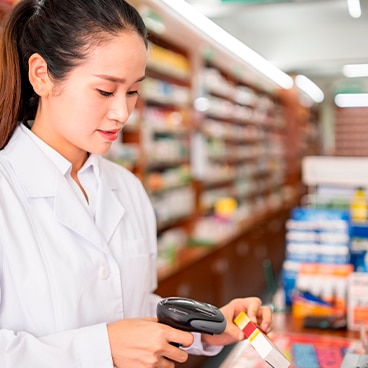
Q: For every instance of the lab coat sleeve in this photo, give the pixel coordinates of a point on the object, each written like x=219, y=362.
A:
x=199, y=348
x=86, y=347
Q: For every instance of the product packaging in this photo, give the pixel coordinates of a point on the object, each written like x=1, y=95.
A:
x=261, y=343
x=358, y=301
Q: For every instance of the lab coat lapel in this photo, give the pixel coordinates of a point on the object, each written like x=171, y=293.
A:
x=72, y=214
x=109, y=211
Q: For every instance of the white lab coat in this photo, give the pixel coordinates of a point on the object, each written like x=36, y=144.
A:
x=62, y=276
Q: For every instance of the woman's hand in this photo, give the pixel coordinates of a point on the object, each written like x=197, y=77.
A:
x=260, y=315
x=139, y=343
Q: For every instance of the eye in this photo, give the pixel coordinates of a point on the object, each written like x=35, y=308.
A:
x=133, y=93
x=105, y=93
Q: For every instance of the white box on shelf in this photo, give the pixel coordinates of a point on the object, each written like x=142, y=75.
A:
x=357, y=300
x=339, y=171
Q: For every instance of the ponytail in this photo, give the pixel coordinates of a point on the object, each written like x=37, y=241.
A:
x=10, y=78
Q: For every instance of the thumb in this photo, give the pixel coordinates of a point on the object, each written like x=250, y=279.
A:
x=235, y=331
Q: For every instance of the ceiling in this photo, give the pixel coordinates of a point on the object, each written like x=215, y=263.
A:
x=311, y=37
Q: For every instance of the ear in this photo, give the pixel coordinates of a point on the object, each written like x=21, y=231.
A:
x=38, y=75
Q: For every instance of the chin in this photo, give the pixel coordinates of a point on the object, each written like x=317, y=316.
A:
x=99, y=151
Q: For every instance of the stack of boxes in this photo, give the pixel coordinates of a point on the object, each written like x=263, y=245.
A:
x=317, y=262
x=325, y=272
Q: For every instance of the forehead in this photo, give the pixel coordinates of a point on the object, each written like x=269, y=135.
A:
x=124, y=53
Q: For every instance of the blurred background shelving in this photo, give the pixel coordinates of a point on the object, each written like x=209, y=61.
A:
x=209, y=128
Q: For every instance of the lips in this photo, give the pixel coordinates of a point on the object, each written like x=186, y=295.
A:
x=109, y=135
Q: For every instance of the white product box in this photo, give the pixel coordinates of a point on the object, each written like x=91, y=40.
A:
x=261, y=343
x=357, y=300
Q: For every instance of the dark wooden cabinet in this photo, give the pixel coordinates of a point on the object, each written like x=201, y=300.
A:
x=197, y=281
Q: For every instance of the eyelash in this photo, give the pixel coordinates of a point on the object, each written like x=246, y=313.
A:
x=110, y=94
x=104, y=93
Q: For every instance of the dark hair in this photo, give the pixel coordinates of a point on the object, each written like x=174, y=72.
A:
x=61, y=31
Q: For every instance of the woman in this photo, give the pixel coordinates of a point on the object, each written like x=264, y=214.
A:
x=77, y=232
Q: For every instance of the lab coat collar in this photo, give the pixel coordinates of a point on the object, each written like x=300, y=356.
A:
x=30, y=164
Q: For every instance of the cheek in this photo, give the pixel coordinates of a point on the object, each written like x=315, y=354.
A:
x=87, y=114
x=80, y=123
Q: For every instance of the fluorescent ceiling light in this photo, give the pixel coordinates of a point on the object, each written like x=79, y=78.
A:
x=355, y=70
x=352, y=100
x=309, y=88
x=354, y=8
x=229, y=42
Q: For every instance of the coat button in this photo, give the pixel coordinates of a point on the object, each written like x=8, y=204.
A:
x=104, y=272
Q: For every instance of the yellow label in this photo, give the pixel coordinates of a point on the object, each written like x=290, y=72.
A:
x=241, y=320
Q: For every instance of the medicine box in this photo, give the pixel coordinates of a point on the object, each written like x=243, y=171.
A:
x=357, y=300
x=261, y=343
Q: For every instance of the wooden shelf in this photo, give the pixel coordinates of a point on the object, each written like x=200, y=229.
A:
x=194, y=254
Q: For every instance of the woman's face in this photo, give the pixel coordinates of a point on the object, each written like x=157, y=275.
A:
x=86, y=111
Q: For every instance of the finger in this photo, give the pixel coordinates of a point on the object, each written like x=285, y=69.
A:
x=253, y=309
x=165, y=363
x=266, y=319
x=175, y=354
x=241, y=305
x=233, y=330
x=258, y=314
x=182, y=338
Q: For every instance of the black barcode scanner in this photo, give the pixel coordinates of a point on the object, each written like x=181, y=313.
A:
x=191, y=315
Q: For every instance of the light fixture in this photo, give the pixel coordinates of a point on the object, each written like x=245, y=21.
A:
x=351, y=100
x=309, y=88
x=229, y=42
x=354, y=8
x=355, y=70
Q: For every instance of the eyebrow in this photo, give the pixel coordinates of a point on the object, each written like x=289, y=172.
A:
x=117, y=80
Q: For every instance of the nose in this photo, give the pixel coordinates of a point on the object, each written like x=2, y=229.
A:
x=119, y=111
